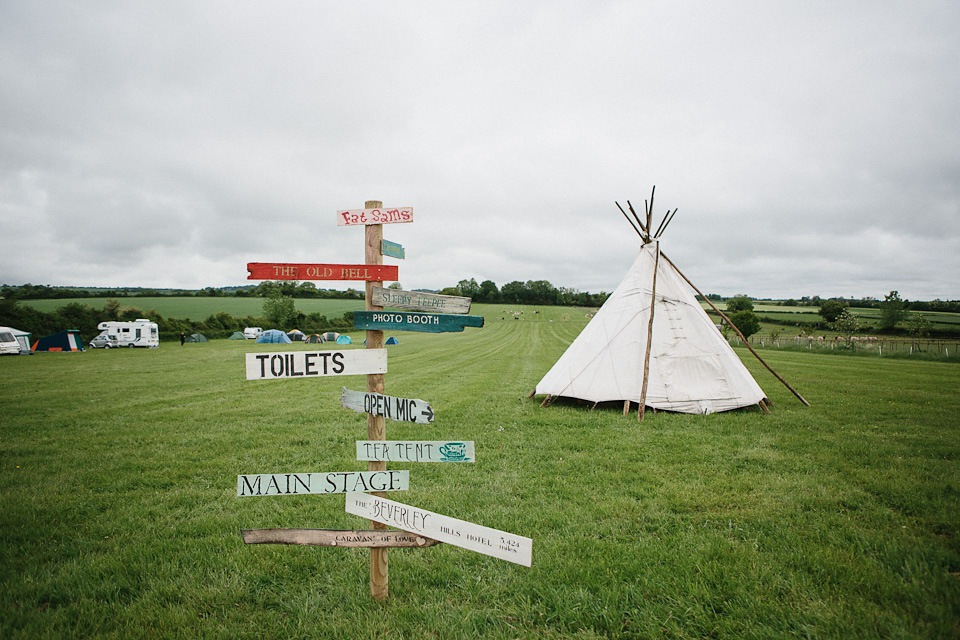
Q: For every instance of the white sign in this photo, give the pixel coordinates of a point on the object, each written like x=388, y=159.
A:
x=383, y=215
x=415, y=451
x=297, y=484
x=491, y=542
x=305, y=364
x=377, y=404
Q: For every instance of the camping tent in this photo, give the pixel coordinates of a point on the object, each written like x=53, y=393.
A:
x=391, y=340
x=274, y=336
x=653, y=344
x=331, y=336
x=344, y=340
x=237, y=335
x=21, y=338
x=68, y=340
x=197, y=337
x=296, y=335
x=314, y=338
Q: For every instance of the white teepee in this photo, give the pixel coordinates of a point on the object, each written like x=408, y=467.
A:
x=692, y=369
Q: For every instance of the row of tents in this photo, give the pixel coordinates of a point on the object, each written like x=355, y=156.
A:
x=275, y=336
x=14, y=342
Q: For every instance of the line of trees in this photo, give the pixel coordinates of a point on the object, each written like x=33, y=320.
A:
x=529, y=292
x=80, y=316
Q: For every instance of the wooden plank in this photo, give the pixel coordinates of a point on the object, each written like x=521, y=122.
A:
x=306, y=364
x=374, y=215
x=312, y=271
x=373, y=539
x=418, y=301
x=377, y=404
x=416, y=450
x=410, y=321
x=324, y=482
x=491, y=542
x=392, y=249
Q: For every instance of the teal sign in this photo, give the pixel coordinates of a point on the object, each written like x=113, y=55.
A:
x=409, y=321
x=392, y=249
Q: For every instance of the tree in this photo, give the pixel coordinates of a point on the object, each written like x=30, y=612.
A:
x=279, y=309
x=830, y=309
x=740, y=303
x=488, y=292
x=892, y=310
x=468, y=288
x=746, y=320
x=846, y=322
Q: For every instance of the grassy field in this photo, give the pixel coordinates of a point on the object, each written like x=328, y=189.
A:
x=119, y=515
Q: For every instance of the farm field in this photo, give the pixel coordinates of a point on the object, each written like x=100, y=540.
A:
x=120, y=518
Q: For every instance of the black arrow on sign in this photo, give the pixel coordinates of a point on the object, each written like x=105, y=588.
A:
x=428, y=412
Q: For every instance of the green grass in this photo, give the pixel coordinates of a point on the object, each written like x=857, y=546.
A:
x=119, y=515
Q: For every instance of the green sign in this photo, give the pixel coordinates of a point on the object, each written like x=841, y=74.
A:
x=408, y=321
x=392, y=249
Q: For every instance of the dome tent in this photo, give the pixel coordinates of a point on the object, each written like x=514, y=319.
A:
x=274, y=336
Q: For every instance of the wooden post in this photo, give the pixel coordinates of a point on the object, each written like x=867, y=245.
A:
x=376, y=425
x=646, y=355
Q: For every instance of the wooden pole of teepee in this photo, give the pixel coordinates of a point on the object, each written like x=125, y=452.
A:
x=742, y=337
x=646, y=355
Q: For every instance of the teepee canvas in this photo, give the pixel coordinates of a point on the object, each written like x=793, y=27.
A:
x=691, y=368
x=653, y=344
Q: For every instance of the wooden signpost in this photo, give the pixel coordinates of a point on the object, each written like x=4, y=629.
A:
x=420, y=301
x=306, y=364
x=400, y=409
x=392, y=249
x=410, y=321
x=491, y=542
x=365, y=489
x=416, y=451
x=302, y=271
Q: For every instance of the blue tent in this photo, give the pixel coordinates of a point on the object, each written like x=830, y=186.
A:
x=68, y=340
x=274, y=335
x=391, y=340
x=344, y=340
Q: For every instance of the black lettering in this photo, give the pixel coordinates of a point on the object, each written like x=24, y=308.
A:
x=263, y=364
x=338, y=365
x=306, y=485
x=273, y=365
x=309, y=364
x=253, y=488
x=273, y=483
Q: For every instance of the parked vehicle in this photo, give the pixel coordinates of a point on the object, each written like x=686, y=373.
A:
x=138, y=333
x=252, y=333
x=104, y=341
x=8, y=343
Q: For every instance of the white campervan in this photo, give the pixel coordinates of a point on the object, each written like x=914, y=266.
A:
x=138, y=333
x=252, y=333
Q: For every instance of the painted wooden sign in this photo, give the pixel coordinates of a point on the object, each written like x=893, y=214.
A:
x=392, y=249
x=491, y=542
x=302, y=271
x=306, y=364
x=377, y=404
x=374, y=538
x=409, y=321
x=298, y=484
x=418, y=301
x=415, y=451
x=383, y=215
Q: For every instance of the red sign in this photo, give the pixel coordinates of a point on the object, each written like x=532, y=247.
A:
x=297, y=271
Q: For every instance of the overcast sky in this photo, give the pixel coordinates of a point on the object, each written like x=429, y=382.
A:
x=811, y=148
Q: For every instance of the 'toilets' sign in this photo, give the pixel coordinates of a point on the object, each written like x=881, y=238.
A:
x=307, y=364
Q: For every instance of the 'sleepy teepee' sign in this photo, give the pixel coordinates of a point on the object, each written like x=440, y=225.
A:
x=310, y=364
x=491, y=542
x=419, y=301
